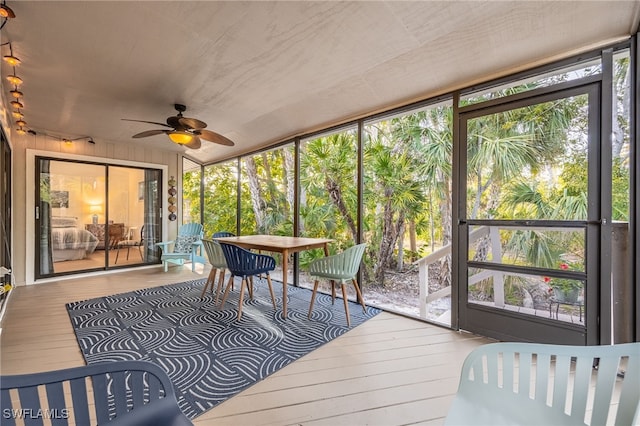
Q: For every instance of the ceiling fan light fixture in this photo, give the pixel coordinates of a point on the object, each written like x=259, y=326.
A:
x=181, y=138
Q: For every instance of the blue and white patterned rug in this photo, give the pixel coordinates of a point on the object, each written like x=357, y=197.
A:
x=208, y=354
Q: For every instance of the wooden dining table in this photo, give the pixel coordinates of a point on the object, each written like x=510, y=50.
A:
x=279, y=244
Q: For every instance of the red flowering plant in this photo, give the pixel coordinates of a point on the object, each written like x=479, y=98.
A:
x=563, y=285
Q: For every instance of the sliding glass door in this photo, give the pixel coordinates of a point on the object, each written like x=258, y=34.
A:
x=95, y=216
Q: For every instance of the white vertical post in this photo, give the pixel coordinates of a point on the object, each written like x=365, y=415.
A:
x=498, y=277
x=423, y=280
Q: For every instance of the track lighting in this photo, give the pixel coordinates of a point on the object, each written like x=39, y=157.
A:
x=14, y=79
x=11, y=60
x=6, y=12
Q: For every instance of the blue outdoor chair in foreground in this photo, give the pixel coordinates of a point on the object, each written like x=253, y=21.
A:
x=341, y=267
x=245, y=264
x=186, y=247
x=123, y=393
x=542, y=384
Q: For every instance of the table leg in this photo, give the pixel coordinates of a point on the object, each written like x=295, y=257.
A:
x=285, y=260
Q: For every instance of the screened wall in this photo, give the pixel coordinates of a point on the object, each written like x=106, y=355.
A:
x=388, y=180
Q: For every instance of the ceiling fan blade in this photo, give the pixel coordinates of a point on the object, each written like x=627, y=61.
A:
x=192, y=123
x=148, y=133
x=195, y=143
x=214, y=137
x=143, y=121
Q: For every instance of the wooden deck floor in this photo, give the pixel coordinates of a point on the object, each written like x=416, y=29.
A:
x=391, y=370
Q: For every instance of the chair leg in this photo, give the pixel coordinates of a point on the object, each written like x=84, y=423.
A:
x=360, y=298
x=241, y=300
x=333, y=292
x=220, y=284
x=226, y=291
x=250, y=286
x=346, y=303
x=210, y=281
x=273, y=297
x=313, y=297
x=166, y=265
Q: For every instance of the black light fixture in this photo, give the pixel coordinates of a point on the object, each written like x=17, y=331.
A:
x=10, y=59
x=14, y=79
x=6, y=11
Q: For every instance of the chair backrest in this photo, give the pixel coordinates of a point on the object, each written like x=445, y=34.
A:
x=222, y=234
x=116, y=234
x=115, y=387
x=352, y=258
x=188, y=234
x=530, y=383
x=214, y=253
x=191, y=229
x=243, y=263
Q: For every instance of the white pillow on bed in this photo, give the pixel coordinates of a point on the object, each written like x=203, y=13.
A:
x=64, y=222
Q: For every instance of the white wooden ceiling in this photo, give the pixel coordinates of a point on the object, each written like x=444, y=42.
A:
x=260, y=72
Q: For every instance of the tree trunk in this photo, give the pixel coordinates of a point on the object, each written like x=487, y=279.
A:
x=400, y=238
x=335, y=195
x=289, y=174
x=445, y=212
x=413, y=240
x=257, y=201
x=387, y=241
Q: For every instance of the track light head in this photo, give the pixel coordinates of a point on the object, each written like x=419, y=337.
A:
x=6, y=11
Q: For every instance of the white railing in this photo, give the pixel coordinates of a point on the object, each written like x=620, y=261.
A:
x=475, y=235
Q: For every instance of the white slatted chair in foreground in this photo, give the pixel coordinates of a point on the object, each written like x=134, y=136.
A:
x=541, y=384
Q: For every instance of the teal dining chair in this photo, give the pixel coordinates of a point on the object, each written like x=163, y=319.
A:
x=339, y=267
x=186, y=247
x=218, y=263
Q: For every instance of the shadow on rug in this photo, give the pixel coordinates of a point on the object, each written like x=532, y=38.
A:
x=208, y=354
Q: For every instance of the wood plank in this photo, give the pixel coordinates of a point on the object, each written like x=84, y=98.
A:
x=389, y=370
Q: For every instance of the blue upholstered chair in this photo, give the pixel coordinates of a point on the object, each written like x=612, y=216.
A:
x=122, y=393
x=218, y=263
x=186, y=247
x=339, y=267
x=245, y=264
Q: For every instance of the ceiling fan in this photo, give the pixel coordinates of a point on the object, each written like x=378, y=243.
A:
x=183, y=130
